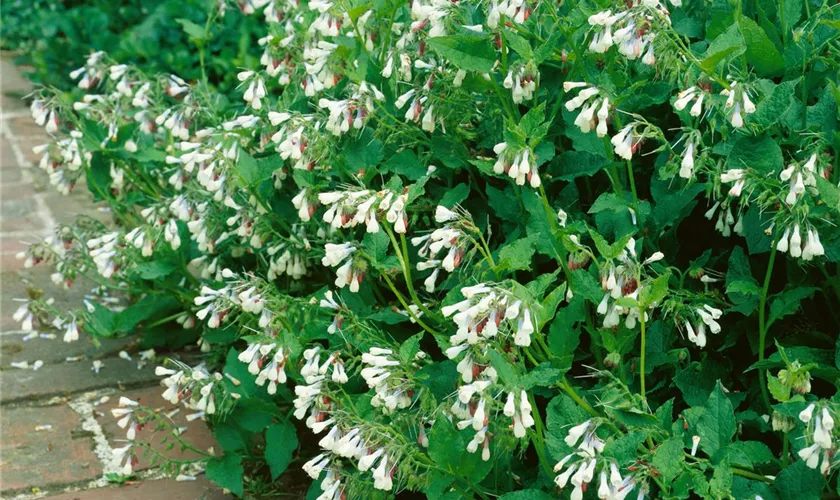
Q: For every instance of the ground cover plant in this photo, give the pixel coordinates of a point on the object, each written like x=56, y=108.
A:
x=585, y=249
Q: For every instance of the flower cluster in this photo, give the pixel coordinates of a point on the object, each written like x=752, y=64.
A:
x=264, y=214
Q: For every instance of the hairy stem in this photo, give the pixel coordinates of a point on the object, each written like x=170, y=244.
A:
x=642, y=360
x=762, y=323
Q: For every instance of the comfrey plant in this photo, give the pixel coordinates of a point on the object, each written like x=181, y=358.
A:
x=473, y=249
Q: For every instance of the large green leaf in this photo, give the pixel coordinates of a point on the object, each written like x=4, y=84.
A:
x=761, y=53
x=227, y=472
x=716, y=426
x=466, y=52
x=799, y=482
x=668, y=459
x=280, y=443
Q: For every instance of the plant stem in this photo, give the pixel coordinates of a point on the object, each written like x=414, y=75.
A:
x=785, y=450
x=642, y=360
x=632, y=179
x=762, y=324
x=750, y=475
x=555, y=229
x=402, y=256
x=539, y=442
x=568, y=389
x=405, y=305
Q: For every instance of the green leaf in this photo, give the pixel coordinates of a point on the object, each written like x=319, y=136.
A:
x=761, y=53
x=409, y=348
x=280, y=444
x=712, y=59
x=549, y=305
x=518, y=44
x=561, y=414
x=790, y=13
x=728, y=43
x=563, y=335
x=760, y=153
x=154, y=270
x=748, y=488
x=363, y=153
x=635, y=418
x=609, y=201
x=100, y=322
x=227, y=472
x=229, y=437
x=99, y=177
x=239, y=370
x=787, y=302
x=721, y=483
x=656, y=291
x=799, y=482
x=533, y=125
x=504, y=203
x=377, y=245
x=469, y=53
x=505, y=370
x=829, y=193
x=254, y=415
x=449, y=151
x=769, y=109
x=192, y=30
x=756, y=222
x=405, y=163
x=741, y=287
x=585, y=285
x=574, y=164
x=624, y=450
x=697, y=381
x=517, y=255
x=675, y=206
x=778, y=390
x=605, y=249
x=541, y=376
x=446, y=446
x=455, y=195
x=668, y=459
x=145, y=308
x=253, y=170
x=526, y=494
x=716, y=426
x=748, y=454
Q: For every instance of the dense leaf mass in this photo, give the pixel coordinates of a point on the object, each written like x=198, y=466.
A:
x=513, y=249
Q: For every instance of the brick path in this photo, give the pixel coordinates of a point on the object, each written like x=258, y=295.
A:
x=56, y=433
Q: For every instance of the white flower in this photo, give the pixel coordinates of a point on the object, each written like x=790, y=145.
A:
x=623, y=142
x=576, y=432
x=335, y=254
x=443, y=214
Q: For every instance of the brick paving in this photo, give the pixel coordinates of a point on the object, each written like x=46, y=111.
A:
x=56, y=431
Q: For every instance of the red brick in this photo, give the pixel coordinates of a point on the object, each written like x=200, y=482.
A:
x=62, y=455
x=25, y=127
x=197, y=434
x=11, y=175
x=11, y=76
x=64, y=209
x=12, y=104
x=68, y=378
x=14, y=280
x=9, y=247
x=21, y=212
x=14, y=348
x=26, y=144
x=163, y=489
x=7, y=156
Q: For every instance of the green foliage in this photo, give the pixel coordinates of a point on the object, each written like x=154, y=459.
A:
x=463, y=249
